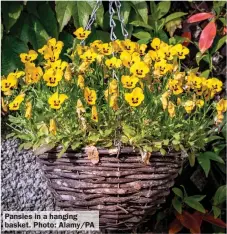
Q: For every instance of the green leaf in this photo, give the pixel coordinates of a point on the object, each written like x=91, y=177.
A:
x=163, y=151
x=205, y=73
x=43, y=148
x=177, y=205
x=163, y=8
x=141, y=9
x=204, y=163
x=191, y=158
x=67, y=39
x=220, y=195
x=27, y=145
x=219, y=44
x=48, y=19
x=163, y=36
x=11, y=49
x=37, y=34
x=98, y=35
x=142, y=35
x=217, y=211
x=64, y=12
x=200, y=56
x=174, y=16
x=11, y=12
x=197, y=197
x=194, y=204
x=128, y=130
x=143, y=41
x=213, y=156
x=223, y=20
x=76, y=145
x=141, y=24
x=10, y=135
x=60, y=154
x=125, y=11
x=212, y=138
x=178, y=192
x=218, y=5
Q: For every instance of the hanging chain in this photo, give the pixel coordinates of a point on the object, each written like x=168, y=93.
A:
x=92, y=18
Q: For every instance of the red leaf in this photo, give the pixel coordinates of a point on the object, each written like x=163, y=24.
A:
x=199, y=217
x=224, y=32
x=207, y=36
x=188, y=221
x=218, y=222
x=199, y=17
x=188, y=36
x=175, y=226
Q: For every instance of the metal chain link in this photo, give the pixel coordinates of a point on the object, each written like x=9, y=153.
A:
x=92, y=18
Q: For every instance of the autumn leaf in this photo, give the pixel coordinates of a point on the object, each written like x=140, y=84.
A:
x=207, y=36
x=199, y=17
x=175, y=226
x=218, y=222
x=92, y=154
x=188, y=37
x=188, y=221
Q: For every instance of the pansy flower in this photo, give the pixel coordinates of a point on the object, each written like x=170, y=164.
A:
x=215, y=86
x=164, y=99
x=175, y=87
x=189, y=106
x=29, y=57
x=94, y=114
x=32, y=73
x=89, y=56
x=129, y=82
x=157, y=55
x=180, y=50
x=81, y=33
x=106, y=49
x=90, y=96
x=7, y=84
x=168, y=52
x=135, y=98
x=139, y=69
x=129, y=46
x=199, y=103
x=171, y=109
x=156, y=43
x=52, y=77
x=141, y=49
x=28, y=111
x=15, y=104
x=55, y=100
x=53, y=127
x=113, y=63
x=129, y=59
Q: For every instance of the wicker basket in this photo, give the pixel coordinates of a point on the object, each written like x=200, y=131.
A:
x=123, y=189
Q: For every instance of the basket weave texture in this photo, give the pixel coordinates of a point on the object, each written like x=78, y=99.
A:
x=123, y=189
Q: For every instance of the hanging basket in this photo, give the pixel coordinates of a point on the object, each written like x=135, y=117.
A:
x=123, y=189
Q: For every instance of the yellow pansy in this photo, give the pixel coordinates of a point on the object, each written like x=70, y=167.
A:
x=141, y=49
x=30, y=56
x=178, y=101
x=189, y=106
x=95, y=45
x=179, y=76
x=219, y=118
x=80, y=108
x=52, y=77
x=139, y=69
x=32, y=73
x=147, y=59
x=28, y=111
x=221, y=106
x=15, y=104
x=161, y=68
x=106, y=49
x=113, y=63
x=7, y=84
x=180, y=51
x=129, y=82
x=117, y=46
x=215, y=86
x=89, y=56
x=55, y=46
x=94, y=114
x=55, y=100
x=129, y=46
x=112, y=89
x=129, y=59
x=157, y=55
x=135, y=98
x=90, y=96
x=174, y=86
x=53, y=127
x=199, y=103
x=81, y=33
x=83, y=67
x=164, y=99
x=156, y=43
x=171, y=109
x=80, y=81
x=80, y=49
x=59, y=66
x=168, y=52
x=113, y=101
x=68, y=73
